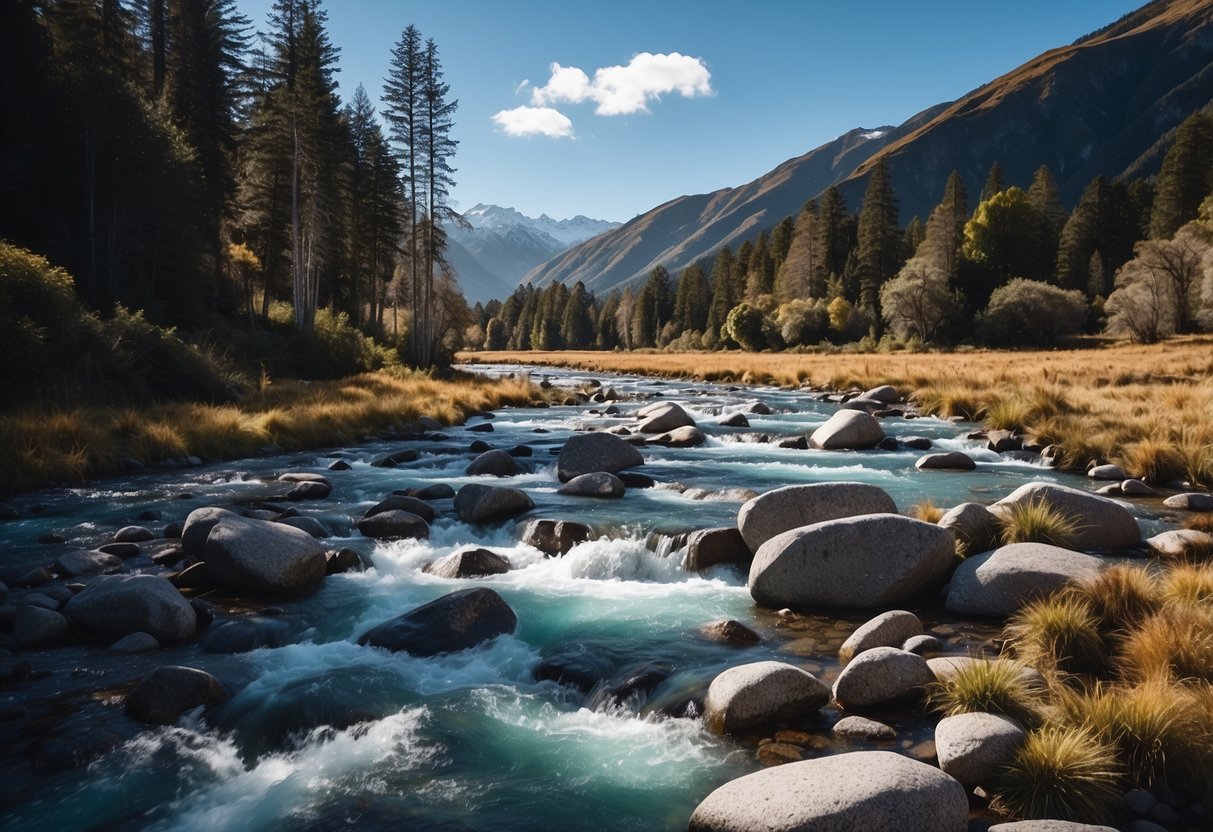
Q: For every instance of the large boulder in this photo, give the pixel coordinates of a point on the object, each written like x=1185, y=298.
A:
x=889, y=629
x=848, y=430
x=394, y=525
x=1182, y=543
x=198, y=527
x=879, y=675
x=663, y=417
x=469, y=563
x=254, y=556
x=457, y=621
x=402, y=502
x=477, y=503
x=168, y=692
x=83, y=562
x=973, y=525
x=586, y=453
x=885, y=394
x=761, y=693
x=1190, y=501
x=872, y=791
x=973, y=747
x=597, y=484
x=712, y=547
x=997, y=584
x=555, y=537
x=36, y=627
x=687, y=436
x=493, y=464
x=859, y=562
x=122, y=604
x=1101, y=523
x=793, y=506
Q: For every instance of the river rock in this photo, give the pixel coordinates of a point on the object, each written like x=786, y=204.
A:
x=134, y=644
x=306, y=524
x=555, y=537
x=198, y=527
x=794, y=506
x=973, y=525
x=34, y=626
x=133, y=534
x=946, y=461
x=248, y=632
x=493, y=464
x=889, y=629
x=848, y=430
x=437, y=491
x=457, y=621
x=1102, y=523
x=1190, y=501
x=729, y=631
x=75, y=564
x=862, y=728
x=761, y=693
x=586, y=453
x=872, y=791
x=394, y=458
x=1107, y=472
x=922, y=644
x=885, y=393
x=402, y=502
x=1003, y=441
x=1181, y=543
x=342, y=561
x=469, y=563
x=394, y=525
x=1136, y=488
x=997, y=584
x=195, y=576
x=597, y=484
x=879, y=675
x=1049, y=826
x=866, y=405
x=973, y=747
x=168, y=692
x=859, y=562
x=663, y=417
x=734, y=420
x=118, y=605
x=254, y=556
x=712, y=547
x=309, y=490
x=687, y=436
x=477, y=503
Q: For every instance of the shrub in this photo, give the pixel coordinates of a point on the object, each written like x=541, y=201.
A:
x=1031, y=312
x=1062, y=773
x=917, y=302
x=1057, y=633
x=745, y=326
x=802, y=322
x=994, y=687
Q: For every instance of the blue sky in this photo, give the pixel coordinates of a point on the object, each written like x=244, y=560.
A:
x=781, y=78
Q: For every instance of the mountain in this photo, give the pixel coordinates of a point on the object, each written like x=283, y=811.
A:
x=500, y=245
x=1098, y=106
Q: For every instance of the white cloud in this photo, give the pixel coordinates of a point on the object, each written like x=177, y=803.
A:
x=534, y=121
x=620, y=90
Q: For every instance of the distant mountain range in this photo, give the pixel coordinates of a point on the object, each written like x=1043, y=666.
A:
x=500, y=245
x=1106, y=104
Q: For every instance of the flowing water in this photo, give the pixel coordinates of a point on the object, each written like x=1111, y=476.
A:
x=324, y=734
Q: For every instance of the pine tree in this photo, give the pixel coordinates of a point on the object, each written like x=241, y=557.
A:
x=944, y=234
x=722, y=296
x=915, y=233
x=781, y=241
x=1103, y=221
x=1186, y=177
x=577, y=326
x=995, y=183
x=801, y=275
x=607, y=326
x=760, y=273
x=692, y=300
x=1045, y=199
x=879, y=253
x=835, y=230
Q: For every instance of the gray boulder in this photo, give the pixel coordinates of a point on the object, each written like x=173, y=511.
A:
x=469, y=563
x=687, y=436
x=794, y=506
x=306, y=524
x=401, y=502
x=168, y=692
x=1107, y=472
x=135, y=643
x=862, y=728
x=122, y=604
x=879, y=675
x=133, y=534
x=1049, y=826
x=457, y=621
x=37, y=627
x=761, y=693
x=889, y=629
x=922, y=644
x=997, y=584
x=973, y=525
x=946, y=461
x=734, y=420
x=309, y=490
x=872, y=791
x=663, y=417
x=1181, y=543
x=78, y=563
x=1102, y=523
x=1190, y=501
x=394, y=525
x=974, y=747
x=858, y=562
x=493, y=464
x=597, y=484
x=477, y=503
x=198, y=527
x=555, y=537
x=1136, y=488
x=848, y=430
x=712, y=547
x=253, y=556
x=885, y=394
x=586, y=453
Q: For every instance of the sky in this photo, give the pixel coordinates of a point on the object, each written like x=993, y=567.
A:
x=611, y=108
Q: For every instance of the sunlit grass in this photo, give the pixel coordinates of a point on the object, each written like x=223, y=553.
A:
x=1059, y=633
x=1061, y=773
x=994, y=687
x=1035, y=521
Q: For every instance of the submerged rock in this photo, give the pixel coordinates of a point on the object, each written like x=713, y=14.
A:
x=729, y=632
x=168, y=692
x=457, y=621
x=122, y=604
x=794, y=506
x=477, y=503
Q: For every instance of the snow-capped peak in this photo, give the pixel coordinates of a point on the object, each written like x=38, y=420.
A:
x=567, y=232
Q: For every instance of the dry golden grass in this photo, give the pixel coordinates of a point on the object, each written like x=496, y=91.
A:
x=40, y=447
x=1172, y=647
x=1121, y=597
x=926, y=511
x=1147, y=407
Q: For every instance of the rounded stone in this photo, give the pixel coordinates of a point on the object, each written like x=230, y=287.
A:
x=862, y=728
x=973, y=525
x=493, y=464
x=848, y=430
x=403, y=502
x=168, y=692
x=761, y=693
x=794, y=506
x=729, y=632
x=394, y=525
x=997, y=584
x=133, y=534
x=256, y=556
x=198, y=527
x=1107, y=472
x=586, y=453
x=135, y=643
x=663, y=417
x=34, y=626
x=457, y=621
x=1102, y=523
x=469, y=563
x=712, y=547
x=76, y=564
x=596, y=484
x=477, y=503
x=879, y=675
x=122, y=604
x=974, y=747
x=1190, y=501
x=946, y=461
x=889, y=629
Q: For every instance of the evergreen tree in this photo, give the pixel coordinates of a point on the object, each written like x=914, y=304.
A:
x=760, y=274
x=654, y=307
x=914, y=235
x=1045, y=199
x=879, y=236
x=723, y=298
x=577, y=325
x=835, y=230
x=995, y=183
x=692, y=301
x=944, y=233
x=1186, y=177
x=608, y=329
x=781, y=241
x=1103, y=221
x=802, y=273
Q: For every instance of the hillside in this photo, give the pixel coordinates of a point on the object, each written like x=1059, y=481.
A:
x=1098, y=106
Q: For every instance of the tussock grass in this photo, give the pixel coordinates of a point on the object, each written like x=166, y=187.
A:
x=1199, y=523
x=40, y=447
x=1062, y=773
x=926, y=511
x=1058, y=634
x=1035, y=521
x=994, y=687
x=1121, y=597
x=1188, y=584
x=1172, y=647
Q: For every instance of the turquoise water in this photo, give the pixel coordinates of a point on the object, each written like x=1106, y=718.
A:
x=324, y=734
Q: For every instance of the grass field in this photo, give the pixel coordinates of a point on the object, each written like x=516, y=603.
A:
x=1149, y=408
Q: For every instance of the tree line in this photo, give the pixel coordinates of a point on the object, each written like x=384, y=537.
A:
x=177, y=161
x=1015, y=268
